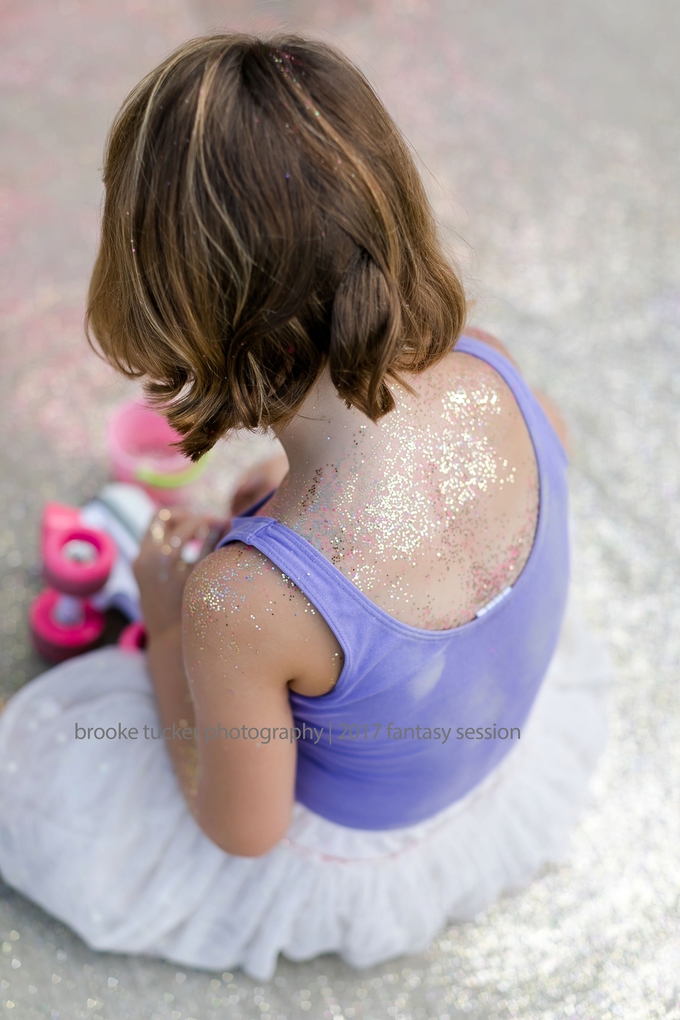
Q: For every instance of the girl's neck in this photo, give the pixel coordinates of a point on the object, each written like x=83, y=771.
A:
x=321, y=431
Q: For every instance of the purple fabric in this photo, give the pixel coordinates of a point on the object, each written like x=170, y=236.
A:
x=483, y=674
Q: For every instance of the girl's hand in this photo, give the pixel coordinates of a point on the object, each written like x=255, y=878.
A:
x=176, y=539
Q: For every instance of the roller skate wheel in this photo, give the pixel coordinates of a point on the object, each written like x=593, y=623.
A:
x=78, y=560
x=54, y=636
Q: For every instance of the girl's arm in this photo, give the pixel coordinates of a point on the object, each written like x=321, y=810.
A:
x=175, y=707
x=244, y=641
x=229, y=733
x=161, y=574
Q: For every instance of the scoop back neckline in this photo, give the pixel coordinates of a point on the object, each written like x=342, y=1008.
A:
x=382, y=614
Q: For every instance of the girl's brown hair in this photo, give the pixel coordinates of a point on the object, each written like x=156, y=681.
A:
x=264, y=219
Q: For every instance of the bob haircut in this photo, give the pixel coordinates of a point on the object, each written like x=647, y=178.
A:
x=264, y=219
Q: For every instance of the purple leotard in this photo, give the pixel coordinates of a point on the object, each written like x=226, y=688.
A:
x=402, y=687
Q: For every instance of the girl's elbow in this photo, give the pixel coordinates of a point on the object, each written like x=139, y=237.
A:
x=240, y=846
x=246, y=842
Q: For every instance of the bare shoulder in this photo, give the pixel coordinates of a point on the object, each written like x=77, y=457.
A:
x=240, y=605
x=482, y=397
x=236, y=577
x=238, y=591
x=550, y=409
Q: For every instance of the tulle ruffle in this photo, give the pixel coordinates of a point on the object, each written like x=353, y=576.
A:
x=98, y=834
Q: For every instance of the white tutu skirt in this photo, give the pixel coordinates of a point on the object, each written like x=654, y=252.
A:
x=98, y=834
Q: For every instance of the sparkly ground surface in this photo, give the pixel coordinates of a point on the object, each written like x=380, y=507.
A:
x=551, y=139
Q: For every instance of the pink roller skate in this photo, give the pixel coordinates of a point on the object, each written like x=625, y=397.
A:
x=77, y=562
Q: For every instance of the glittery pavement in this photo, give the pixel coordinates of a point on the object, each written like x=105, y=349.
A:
x=550, y=136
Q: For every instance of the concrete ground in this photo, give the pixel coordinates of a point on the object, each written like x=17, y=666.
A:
x=550, y=136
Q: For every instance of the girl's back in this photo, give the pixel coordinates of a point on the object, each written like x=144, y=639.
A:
x=452, y=474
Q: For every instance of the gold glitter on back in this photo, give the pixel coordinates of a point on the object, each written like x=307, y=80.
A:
x=432, y=511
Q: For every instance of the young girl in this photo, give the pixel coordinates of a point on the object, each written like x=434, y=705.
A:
x=351, y=723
